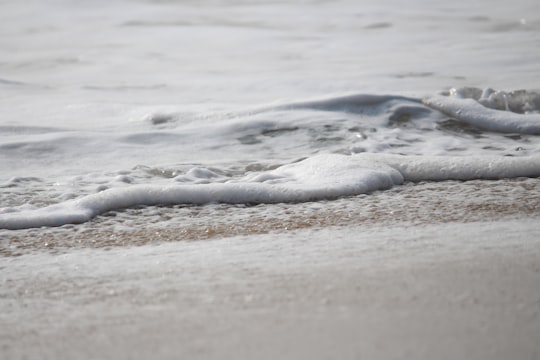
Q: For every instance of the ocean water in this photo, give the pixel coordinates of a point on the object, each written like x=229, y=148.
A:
x=132, y=104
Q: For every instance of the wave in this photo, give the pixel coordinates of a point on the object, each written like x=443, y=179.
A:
x=475, y=114
x=319, y=177
x=351, y=145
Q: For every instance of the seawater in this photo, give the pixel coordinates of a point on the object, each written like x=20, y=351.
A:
x=113, y=105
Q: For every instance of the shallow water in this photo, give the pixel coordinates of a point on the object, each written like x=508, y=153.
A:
x=109, y=105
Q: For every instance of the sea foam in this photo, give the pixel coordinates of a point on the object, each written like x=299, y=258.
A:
x=319, y=177
x=477, y=115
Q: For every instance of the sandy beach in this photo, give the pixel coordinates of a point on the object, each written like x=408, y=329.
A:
x=376, y=289
x=272, y=179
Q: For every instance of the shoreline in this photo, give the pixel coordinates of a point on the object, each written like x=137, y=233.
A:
x=410, y=204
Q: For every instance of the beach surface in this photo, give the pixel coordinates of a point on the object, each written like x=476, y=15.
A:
x=382, y=289
x=268, y=179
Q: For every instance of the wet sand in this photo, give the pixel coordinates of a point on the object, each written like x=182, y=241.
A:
x=412, y=284
x=412, y=204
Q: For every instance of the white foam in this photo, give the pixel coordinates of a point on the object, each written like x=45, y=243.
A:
x=316, y=178
x=475, y=114
x=440, y=168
